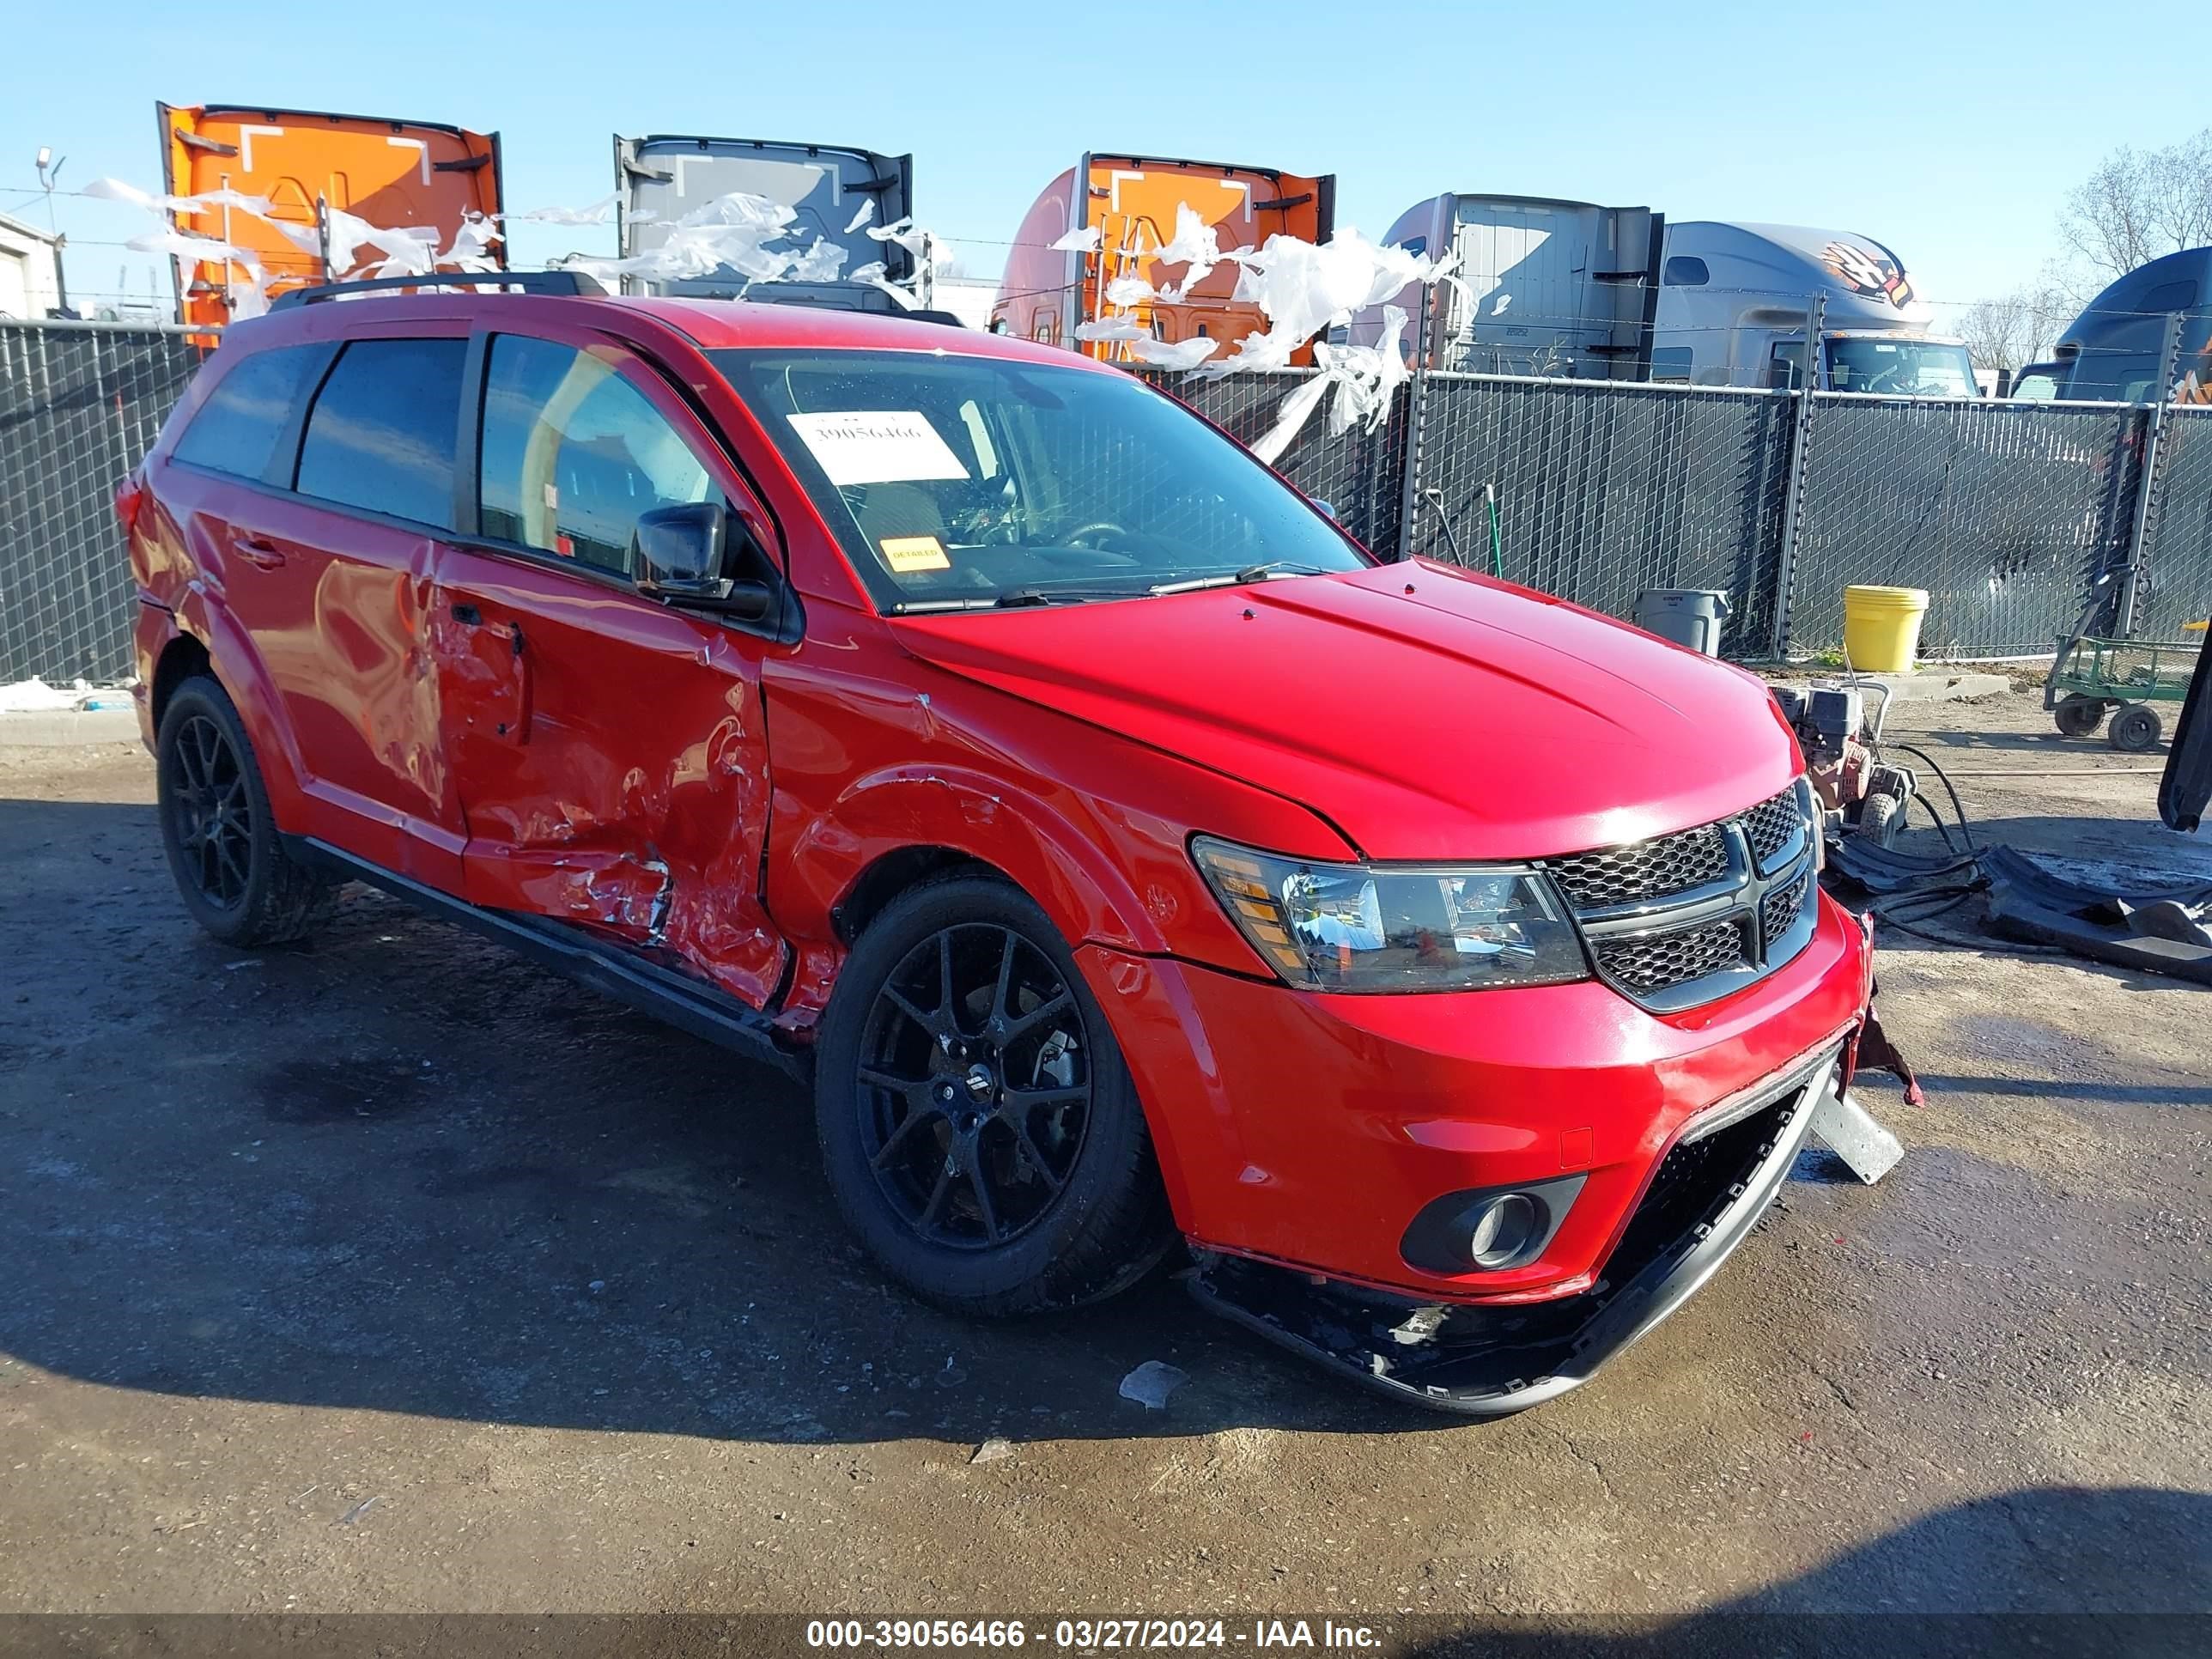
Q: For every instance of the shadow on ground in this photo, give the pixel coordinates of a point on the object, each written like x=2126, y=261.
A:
x=398, y=1168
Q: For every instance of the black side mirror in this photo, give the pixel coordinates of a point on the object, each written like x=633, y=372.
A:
x=680, y=553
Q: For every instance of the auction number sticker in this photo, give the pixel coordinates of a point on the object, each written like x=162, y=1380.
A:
x=877, y=446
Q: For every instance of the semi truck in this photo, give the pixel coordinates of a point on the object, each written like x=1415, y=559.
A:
x=1545, y=286
x=1734, y=302
x=1132, y=202
x=306, y=164
x=2115, y=350
x=840, y=192
x=1551, y=287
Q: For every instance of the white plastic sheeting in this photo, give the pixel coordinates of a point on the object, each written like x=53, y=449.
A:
x=1303, y=289
x=1078, y=241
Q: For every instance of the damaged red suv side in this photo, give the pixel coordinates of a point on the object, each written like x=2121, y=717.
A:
x=1124, y=853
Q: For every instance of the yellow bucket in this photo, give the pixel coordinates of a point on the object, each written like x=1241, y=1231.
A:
x=1881, y=628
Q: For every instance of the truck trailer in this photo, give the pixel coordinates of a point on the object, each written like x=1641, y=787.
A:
x=1132, y=201
x=1545, y=286
x=839, y=191
x=305, y=163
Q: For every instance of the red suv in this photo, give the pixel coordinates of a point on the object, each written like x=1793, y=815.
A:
x=1123, y=851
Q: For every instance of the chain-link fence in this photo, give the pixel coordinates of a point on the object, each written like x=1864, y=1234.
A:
x=2001, y=511
x=79, y=405
x=2176, y=583
x=1605, y=489
x=1359, y=474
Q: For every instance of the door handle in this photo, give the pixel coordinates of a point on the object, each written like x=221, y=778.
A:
x=256, y=552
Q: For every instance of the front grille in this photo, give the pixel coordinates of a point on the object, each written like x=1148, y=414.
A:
x=1655, y=961
x=1683, y=919
x=1644, y=870
x=1779, y=911
x=1772, y=825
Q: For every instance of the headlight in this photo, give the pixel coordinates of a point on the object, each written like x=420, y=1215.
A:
x=1359, y=927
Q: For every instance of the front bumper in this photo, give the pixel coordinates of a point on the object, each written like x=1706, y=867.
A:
x=1709, y=1192
x=1308, y=1131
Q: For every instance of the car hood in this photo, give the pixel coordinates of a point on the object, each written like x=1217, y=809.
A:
x=1424, y=711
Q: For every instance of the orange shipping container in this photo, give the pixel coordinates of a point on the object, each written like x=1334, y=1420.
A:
x=1131, y=199
x=395, y=175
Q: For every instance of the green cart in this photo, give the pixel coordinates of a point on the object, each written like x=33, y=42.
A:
x=2091, y=678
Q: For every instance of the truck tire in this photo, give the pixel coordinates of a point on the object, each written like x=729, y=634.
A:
x=979, y=1130
x=230, y=865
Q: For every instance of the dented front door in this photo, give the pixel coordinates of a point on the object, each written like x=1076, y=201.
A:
x=609, y=750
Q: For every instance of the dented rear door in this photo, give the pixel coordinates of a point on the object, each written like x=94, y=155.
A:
x=610, y=751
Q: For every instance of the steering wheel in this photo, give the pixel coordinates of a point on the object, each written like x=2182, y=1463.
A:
x=1096, y=527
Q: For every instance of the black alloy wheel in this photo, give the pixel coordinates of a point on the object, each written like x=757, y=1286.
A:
x=210, y=812
x=975, y=1086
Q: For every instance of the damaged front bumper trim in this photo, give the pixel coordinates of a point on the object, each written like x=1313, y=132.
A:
x=1714, y=1183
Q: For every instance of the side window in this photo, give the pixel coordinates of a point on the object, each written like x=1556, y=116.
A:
x=574, y=454
x=235, y=431
x=1671, y=364
x=1685, y=270
x=380, y=436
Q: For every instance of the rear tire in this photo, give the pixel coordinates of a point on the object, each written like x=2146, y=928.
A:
x=2077, y=716
x=2134, y=728
x=981, y=1132
x=229, y=862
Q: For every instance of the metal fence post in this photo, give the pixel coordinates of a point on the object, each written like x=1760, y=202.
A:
x=2169, y=370
x=1793, y=500
x=1416, y=407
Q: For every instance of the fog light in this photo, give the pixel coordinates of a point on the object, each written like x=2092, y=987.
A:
x=1503, y=1228
x=1489, y=1228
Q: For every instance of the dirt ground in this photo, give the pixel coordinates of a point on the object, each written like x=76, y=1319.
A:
x=391, y=1272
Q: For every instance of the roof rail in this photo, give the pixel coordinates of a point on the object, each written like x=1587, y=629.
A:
x=529, y=282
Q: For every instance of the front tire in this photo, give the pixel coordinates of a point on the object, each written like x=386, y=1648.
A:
x=229, y=862
x=981, y=1132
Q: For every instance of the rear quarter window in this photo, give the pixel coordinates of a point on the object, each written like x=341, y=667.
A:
x=235, y=431
x=381, y=434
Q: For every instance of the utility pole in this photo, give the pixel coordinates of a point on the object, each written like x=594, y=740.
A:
x=50, y=170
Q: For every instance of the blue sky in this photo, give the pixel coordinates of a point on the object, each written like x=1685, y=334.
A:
x=1949, y=130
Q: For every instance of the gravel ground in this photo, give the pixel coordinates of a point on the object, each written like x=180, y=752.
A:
x=391, y=1273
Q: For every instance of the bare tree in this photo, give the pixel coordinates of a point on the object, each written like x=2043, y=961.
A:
x=2139, y=204
x=2001, y=334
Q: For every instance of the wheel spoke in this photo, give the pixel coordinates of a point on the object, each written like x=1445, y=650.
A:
x=980, y=1184
x=937, y=1197
x=875, y=1078
x=1025, y=1101
x=945, y=1004
x=899, y=1000
x=237, y=871
x=1051, y=1008
x=1035, y=1154
x=896, y=1140
x=1000, y=1010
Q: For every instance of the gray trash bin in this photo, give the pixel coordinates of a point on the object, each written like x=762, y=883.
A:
x=1687, y=616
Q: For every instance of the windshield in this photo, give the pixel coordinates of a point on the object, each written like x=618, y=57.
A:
x=1902, y=368
x=955, y=481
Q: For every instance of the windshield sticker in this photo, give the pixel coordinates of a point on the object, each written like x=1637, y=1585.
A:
x=877, y=446
x=906, y=553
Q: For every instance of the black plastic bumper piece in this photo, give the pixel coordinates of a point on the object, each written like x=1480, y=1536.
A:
x=1709, y=1190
